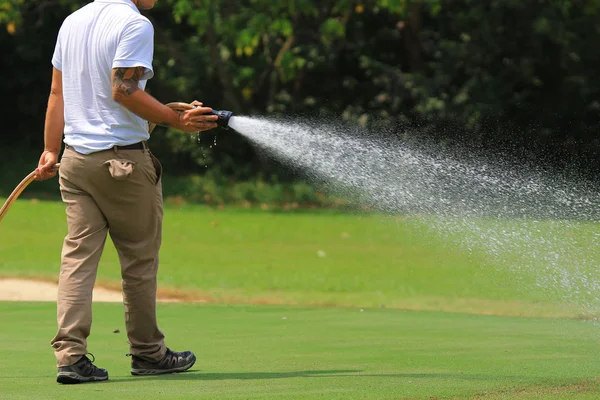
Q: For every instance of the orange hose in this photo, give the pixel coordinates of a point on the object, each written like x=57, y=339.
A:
x=17, y=192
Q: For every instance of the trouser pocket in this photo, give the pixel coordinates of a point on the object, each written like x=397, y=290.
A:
x=157, y=167
x=120, y=169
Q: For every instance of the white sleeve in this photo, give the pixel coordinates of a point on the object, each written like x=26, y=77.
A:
x=136, y=47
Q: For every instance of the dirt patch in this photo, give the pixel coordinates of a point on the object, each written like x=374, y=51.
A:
x=29, y=290
x=584, y=387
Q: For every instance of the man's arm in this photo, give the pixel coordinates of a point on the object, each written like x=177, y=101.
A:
x=55, y=115
x=126, y=91
x=53, y=128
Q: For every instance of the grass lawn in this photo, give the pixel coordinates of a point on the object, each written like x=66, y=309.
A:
x=318, y=305
x=318, y=258
x=293, y=352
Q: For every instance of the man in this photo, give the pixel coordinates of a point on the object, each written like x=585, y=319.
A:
x=109, y=180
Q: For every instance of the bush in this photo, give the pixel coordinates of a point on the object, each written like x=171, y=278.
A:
x=217, y=190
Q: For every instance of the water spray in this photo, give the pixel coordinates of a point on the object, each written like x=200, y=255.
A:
x=529, y=222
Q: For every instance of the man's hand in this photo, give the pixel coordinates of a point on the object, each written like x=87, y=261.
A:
x=45, y=169
x=197, y=119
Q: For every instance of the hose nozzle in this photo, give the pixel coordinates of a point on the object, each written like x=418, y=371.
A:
x=224, y=116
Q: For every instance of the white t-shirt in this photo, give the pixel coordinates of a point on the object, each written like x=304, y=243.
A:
x=98, y=37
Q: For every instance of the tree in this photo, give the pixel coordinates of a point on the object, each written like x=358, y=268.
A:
x=501, y=73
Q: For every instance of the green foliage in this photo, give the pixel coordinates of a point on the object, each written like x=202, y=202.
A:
x=501, y=74
x=269, y=194
x=10, y=15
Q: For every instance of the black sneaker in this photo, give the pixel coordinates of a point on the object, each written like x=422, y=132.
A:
x=80, y=372
x=172, y=362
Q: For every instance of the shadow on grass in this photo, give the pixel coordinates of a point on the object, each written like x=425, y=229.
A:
x=218, y=376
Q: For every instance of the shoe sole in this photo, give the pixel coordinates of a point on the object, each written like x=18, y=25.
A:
x=147, y=371
x=73, y=378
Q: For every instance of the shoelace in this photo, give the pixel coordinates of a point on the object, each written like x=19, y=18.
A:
x=89, y=368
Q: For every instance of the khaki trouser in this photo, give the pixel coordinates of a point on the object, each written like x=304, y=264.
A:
x=117, y=192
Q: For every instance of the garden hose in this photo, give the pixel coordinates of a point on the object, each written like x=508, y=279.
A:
x=17, y=192
x=177, y=106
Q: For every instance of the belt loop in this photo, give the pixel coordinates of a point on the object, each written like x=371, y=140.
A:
x=145, y=145
x=116, y=149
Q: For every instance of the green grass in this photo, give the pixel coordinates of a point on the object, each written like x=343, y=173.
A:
x=316, y=258
x=264, y=337
x=292, y=352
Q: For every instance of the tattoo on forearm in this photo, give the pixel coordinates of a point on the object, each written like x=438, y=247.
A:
x=125, y=80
